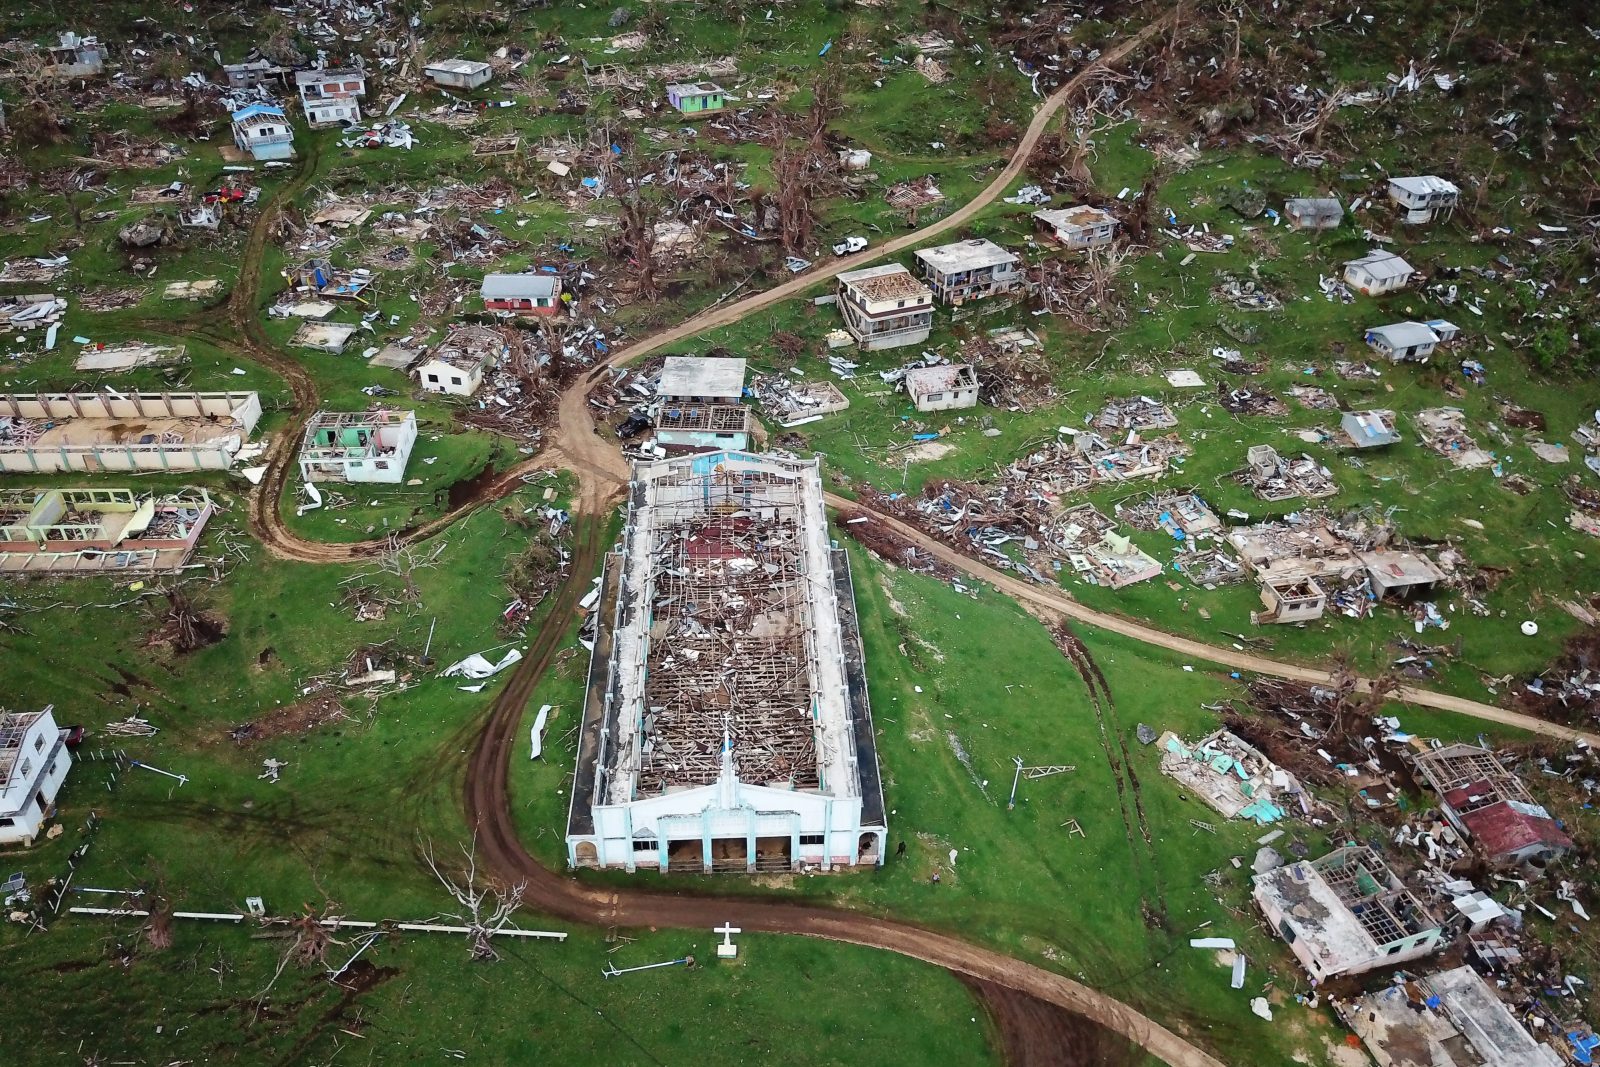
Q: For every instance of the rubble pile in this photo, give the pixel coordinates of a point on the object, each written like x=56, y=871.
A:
x=1250, y=402
x=1013, y=372
x=1273, y=477
x=1225, y=772
x=1445, y=431
x=796, y=403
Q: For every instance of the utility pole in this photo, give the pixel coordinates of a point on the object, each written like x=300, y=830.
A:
x=1012, y=803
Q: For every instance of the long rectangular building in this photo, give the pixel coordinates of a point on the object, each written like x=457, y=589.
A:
x=726, y=725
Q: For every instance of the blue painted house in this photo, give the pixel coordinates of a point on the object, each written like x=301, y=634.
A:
x=264, y=131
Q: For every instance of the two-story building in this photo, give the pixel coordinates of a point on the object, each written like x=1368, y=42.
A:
x=263, y=131
x=1424, y=197
x=885, y=306
x=969, y=270
x=33, y=764
x=1078, y=228
x=699, y=404
x=331, y=95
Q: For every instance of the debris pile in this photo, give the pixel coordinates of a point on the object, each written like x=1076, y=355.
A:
x=1445, y=431
x=1233, y=777
x=1273, y=477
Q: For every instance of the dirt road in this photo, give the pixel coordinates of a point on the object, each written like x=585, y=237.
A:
x=1058, y=601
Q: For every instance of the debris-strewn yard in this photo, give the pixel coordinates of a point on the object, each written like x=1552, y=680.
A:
x=1290, y=350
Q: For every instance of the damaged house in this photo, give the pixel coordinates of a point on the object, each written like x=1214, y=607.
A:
x=1424, y=197
x=885, y=307
x=969, y=270
x=1290, y=600
x=1368, y=429
x=1275, y=478
x=1410, y=341
x=459, y=73
x=357, y=446
x=1233, y=777
x=33, y=763
x=110, y=430
x=1078, y=228
x=942, y=388
x=1396, y=573
x=1378, y=272
x=699, y=404
x=725, y=726
x=522, y=294
x=92, y=530
x=457, y=367
x=323, y=278
x=1487, y=803
x=73, y=56
x=1450, y=1019
x=1345, y=913
x=263, y=131
x=251, y=73
x=331, y=96
x=1313, y=213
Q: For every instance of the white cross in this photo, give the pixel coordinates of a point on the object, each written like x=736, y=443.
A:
x=727, y=930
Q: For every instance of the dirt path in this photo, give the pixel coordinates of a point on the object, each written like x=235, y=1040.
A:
x=1059, y=601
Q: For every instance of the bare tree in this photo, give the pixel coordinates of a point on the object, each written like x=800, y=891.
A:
x=485, y=910
x=403, y=561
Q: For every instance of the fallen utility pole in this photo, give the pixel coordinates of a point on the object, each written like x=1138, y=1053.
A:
x=181, y=778
x=367, y=941
x=611, y=970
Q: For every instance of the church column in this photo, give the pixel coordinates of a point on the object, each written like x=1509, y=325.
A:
x=827, y=835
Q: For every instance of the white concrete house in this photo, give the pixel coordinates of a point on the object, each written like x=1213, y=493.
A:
x=1424, y=197
x=885, y=306
x=1401, y=341
x=1378, y=272
x=1078, y=228
x=330, y=96
x=459, y=363
x=459, y=73
x=452, y=373
x=1345, y=913
x=951, y=385
x=358, y=446
x=969, y=270
x=33, y=764
x=725, y=726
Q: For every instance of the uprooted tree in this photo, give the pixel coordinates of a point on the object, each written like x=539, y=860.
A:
x=485, y=909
